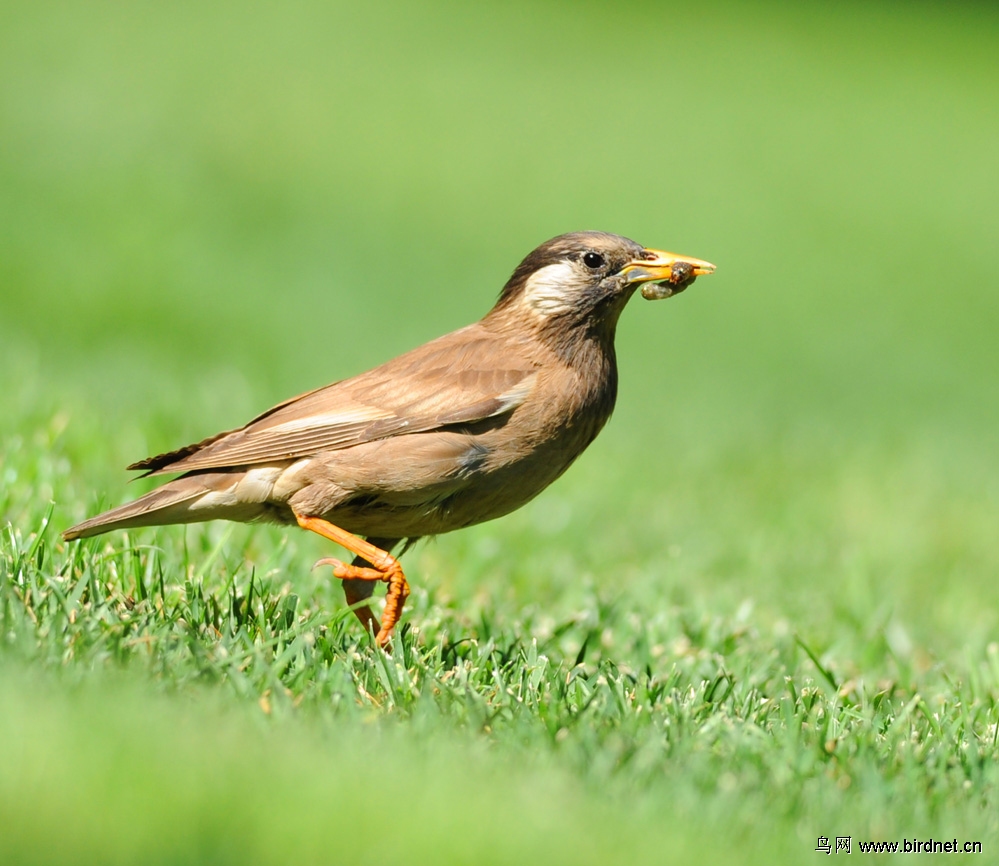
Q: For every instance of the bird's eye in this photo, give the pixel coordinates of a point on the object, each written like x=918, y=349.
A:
x=593, y=260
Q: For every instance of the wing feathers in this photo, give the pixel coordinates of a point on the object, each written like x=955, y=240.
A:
x=431, y=387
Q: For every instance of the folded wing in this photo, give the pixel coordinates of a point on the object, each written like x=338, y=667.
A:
x=437, y=385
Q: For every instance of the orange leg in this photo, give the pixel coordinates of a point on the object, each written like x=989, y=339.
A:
x=386, y=568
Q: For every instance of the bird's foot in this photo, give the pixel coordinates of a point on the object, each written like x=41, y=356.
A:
x=395, y=597
x=385, y=568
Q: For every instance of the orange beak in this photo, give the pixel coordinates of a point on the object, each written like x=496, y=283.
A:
x=674, y=272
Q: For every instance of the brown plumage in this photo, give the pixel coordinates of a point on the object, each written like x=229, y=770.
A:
x=460, y=430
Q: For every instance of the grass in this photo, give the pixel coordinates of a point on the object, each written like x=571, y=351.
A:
x=761, y=608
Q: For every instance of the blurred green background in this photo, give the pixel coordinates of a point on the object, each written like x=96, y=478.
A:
x=205, y=208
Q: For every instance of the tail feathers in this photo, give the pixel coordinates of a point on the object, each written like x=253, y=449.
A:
x=168, y=504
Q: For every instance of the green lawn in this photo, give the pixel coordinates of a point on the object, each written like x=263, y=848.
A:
x=762, y=608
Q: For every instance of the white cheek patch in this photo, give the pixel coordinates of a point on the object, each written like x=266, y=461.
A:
x=554, y=289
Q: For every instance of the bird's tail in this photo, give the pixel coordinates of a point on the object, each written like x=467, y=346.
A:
x=174, y=502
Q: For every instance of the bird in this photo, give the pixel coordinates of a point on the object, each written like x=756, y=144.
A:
x=458, y=431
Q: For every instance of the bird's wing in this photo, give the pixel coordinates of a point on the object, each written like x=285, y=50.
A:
x=463, y=377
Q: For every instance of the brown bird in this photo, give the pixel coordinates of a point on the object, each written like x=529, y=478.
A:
x=463, y=429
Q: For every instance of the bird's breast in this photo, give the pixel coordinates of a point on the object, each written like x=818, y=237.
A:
x=505, y=465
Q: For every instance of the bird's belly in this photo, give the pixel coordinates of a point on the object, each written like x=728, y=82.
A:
x=432, y=483
x=443, y=507
x=503, y=488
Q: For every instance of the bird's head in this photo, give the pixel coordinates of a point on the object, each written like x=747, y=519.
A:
x=585, y=278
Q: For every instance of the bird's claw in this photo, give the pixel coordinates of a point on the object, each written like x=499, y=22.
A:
x=328, y=560
x=343, y=571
